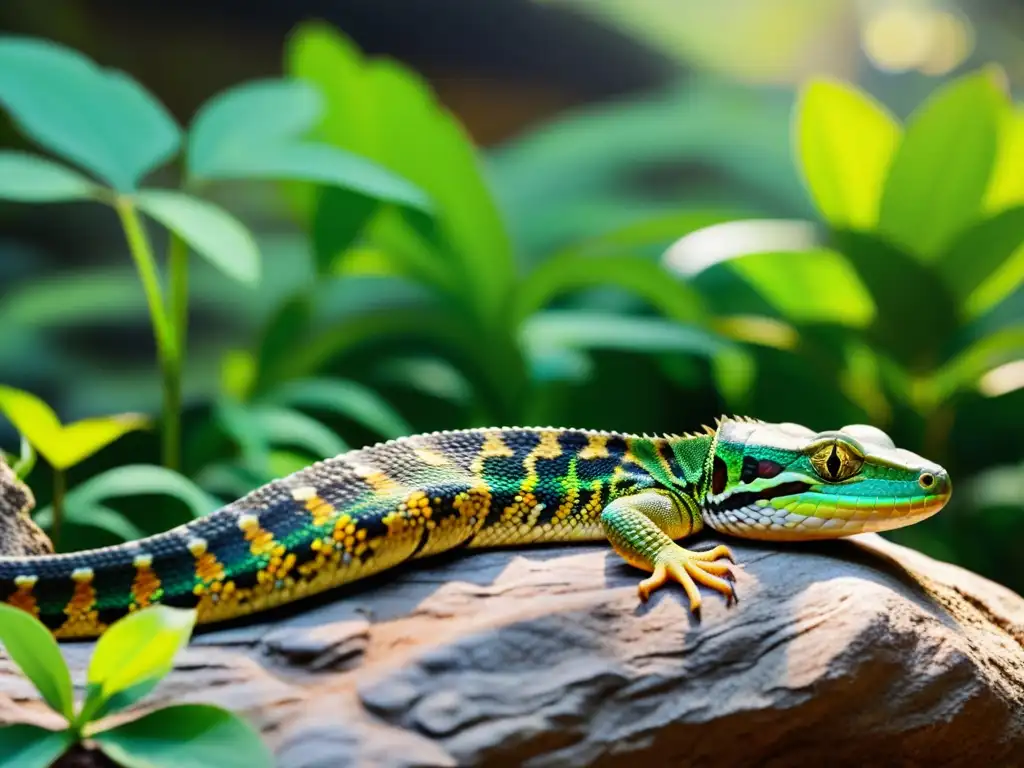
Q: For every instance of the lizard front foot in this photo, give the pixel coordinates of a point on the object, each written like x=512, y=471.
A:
x=689, y=568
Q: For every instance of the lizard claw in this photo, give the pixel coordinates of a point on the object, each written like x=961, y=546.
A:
x=690, y=568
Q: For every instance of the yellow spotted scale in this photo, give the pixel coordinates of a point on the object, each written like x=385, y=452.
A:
x=368, y=510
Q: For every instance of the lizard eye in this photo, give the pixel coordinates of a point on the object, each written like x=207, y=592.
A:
x=836, y=461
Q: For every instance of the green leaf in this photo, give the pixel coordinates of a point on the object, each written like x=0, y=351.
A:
x=212, y=232
x=813, y=286
x=1007, y=185
x=31, y=646
x=997, y=287
x=322, y=164
x=964, y=370
x=143, y=479
x=285, y=327
x=26, y=461
x=248, y=118
x=941, y=171
x=915, y=311
x=347, y=398
x=63, y=446
x=567, y=329
x=341, y=215
x=650, y=236
x=100, y=119
x=28, y=746
x=845, y=142
x=92, y=516
x=132, y=656
x=83, y=507
x=30, y=179
x=284, y=426
x=373, y=107
x=186, y=736
x=639, y=276
x=977, y=253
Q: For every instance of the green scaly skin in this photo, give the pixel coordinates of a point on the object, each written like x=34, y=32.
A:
x=365, y=511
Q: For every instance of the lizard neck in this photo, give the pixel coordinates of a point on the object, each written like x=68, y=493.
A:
x=681, y=464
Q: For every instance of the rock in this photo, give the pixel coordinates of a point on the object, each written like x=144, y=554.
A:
x=855, y=652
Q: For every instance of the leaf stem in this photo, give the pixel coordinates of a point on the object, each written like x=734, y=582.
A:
x=177, y=264
x=163, y=328
x=59, y=488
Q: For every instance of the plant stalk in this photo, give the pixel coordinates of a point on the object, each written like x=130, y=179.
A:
x=59, y=489
x=177, y=268
x=163, y=329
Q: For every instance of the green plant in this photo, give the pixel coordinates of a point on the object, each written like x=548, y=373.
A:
x=63, y=446
x=109, y=125
x=128, y=662
x=918, y=254
x=453, y=291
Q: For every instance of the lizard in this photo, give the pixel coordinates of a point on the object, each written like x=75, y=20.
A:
x=368, y=510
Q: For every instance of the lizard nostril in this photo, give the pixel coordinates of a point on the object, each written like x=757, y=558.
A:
x=926, y=480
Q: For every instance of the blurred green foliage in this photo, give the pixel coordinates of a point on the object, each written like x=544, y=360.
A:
x=832, y=266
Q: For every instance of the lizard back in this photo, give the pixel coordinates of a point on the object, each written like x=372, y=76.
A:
x=343, y=519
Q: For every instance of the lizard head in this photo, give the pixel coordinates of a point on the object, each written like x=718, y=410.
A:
x=787, y=482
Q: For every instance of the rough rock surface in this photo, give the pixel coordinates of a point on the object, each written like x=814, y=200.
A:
x=847, y=653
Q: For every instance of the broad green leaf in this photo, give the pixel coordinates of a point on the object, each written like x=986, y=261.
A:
x=92, y=515
x=568, y=329
x=63, y=446
x=845, y=142
x=432, y=376
x=915, y=311
x=1007, y=185
x=30, y=179
x=756, y=329
x=284, y=426
x=650, y=236
x=132, y=656
x=639, y=276
x=980, y=251
x=347, y=398
x=385, y=112
x=32, y=418
x=963, y=371
x=998, y=286
x=69, y=298
x=341, y=215
x=212, y=232
x=941, y=170
x=813, y=286
x=321, y=164
x=100, y=119
x=186, y=736
x=144, y=479
x=31, y=646
x=248, y=118
x=81, y=439
x=28, y=746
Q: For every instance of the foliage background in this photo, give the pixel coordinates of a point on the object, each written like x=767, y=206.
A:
x=606, y=130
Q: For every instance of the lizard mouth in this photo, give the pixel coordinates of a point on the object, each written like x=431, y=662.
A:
x=748, y=498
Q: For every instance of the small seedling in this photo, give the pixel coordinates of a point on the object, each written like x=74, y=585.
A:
x=129, y=661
